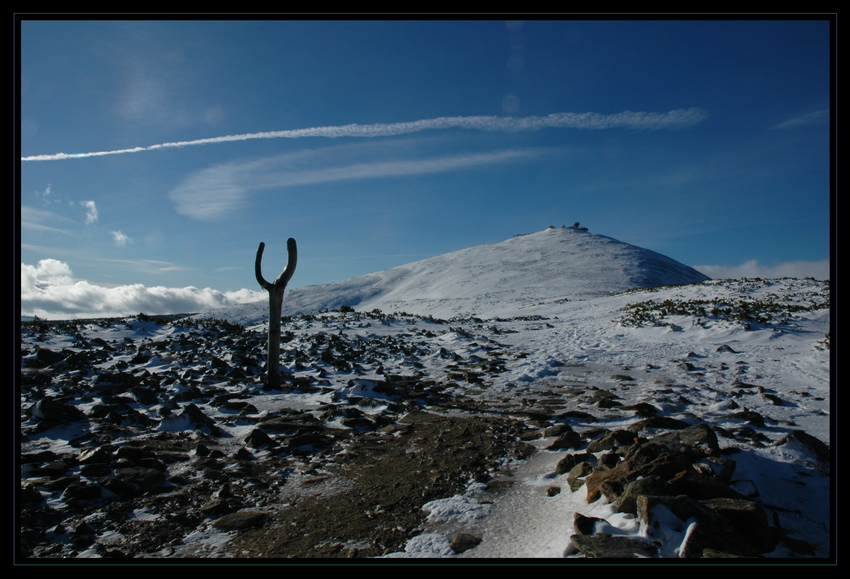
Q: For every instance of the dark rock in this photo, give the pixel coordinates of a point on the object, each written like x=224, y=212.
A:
x=602, y=546
x=642, y=409
x=576, y=475
x=732, y=526
x=578, y=414
x=597, y=479
x=721, y=467
x=144, y=477
x=37, y=457
x=702, y=486
x=53, y=468
x=57, y=484
x=749, y=520
x=308, y=441
x=648, y=485
x=694, y=443
x=568, y=440
x=584, y=525
x=608, y=460
x=117, y=486
x=464, y=542
x=94, y=455
x=239, y=521
x=611, y=440
x=30, y=494
x=567, y=463
x=95, y=469
x=557, y=430
x=814, y=445
x=54, y=411
x=708, y=529
x=750, y=417
x=661, y=422
x=81, y=491
x=44, y=357
x=218, y=506
x=243, y=454
x=258, y=439
x=664, y=456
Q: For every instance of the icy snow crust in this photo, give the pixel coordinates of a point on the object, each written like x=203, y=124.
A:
x=558, y=301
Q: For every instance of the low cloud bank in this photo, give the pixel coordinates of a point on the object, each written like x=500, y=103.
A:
x=49, y=291
x=752, y=268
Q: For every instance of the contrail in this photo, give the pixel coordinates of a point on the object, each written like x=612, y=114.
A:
x=676, y=119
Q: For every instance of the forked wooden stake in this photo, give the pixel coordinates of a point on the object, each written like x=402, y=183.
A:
x=275, y=290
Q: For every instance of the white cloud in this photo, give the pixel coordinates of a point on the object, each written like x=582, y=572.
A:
x=752, y=268
x=91, y=211
x=48, y=290
x=120, y=238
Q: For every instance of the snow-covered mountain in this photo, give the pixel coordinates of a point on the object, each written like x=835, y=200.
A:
x=511, y=278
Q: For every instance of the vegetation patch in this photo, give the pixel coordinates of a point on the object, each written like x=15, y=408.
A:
x=740, y=308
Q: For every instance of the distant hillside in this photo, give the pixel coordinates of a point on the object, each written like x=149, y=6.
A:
x=500, y=279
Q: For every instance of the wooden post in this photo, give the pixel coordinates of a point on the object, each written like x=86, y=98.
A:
x=275, y=290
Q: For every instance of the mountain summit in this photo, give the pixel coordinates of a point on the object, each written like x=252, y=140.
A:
x=501, y=279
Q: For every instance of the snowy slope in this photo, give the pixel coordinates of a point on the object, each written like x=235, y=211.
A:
x=510, y=278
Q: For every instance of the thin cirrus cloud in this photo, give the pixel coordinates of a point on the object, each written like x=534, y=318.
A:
x=815, y=118
x=675, y=119
x=216, y=191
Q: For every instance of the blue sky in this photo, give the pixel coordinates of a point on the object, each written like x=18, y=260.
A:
x=157, y=154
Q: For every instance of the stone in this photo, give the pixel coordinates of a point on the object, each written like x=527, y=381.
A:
x=584, y=525
x=612, y=440
x=81, y=491
x=602, y=546
x=568, y=440
x=648, y=485
x=464, y=542
x=55, y=411
x=567, y=463
x=258, y=439
x=239, y=521
x=702, y=486
x=576, y=475
x=814, y=445
x=145, y=477
x=94, y=455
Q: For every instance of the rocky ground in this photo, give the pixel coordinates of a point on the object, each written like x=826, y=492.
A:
x=152, y=457
x=157, y=438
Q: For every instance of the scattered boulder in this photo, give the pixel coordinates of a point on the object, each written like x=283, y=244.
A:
x=676, y=480
x=239, y=521
x=613, y=546
x=817, y=447
x=464, y=542
x=145, y=478
x=51, y=411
